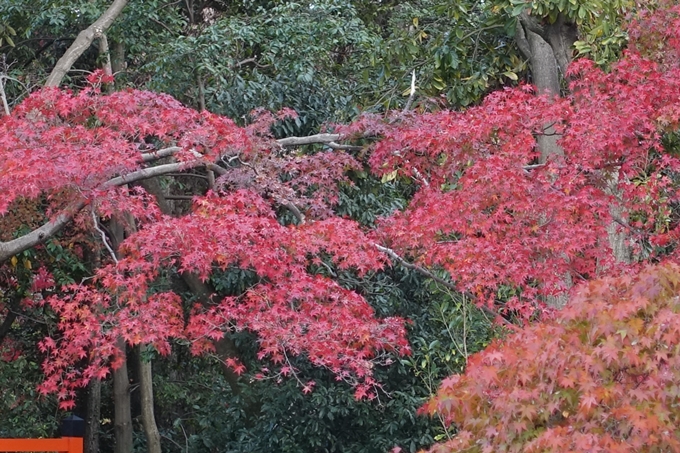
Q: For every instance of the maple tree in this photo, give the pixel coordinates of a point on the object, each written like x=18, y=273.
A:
x=493, y=216
x=601, y=376
x=96, y=143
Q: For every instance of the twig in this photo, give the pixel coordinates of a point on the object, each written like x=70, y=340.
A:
x=420, y=176
x=625, y=224
x=95, y=222
x=5, y=106
x=392, y=254
x=421, y=270
x=407, y=107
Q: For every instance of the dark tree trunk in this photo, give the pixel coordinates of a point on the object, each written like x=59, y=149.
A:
x=121, y=402
x=548, y=49
x=94, y=398
x=153, y=437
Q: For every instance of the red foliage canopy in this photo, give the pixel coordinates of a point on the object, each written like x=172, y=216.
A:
x=492, y=215
x=90, y=145
x=603, y=375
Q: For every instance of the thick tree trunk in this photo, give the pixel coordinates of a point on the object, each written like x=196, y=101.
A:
x=536, y=43
x=153, y=437
x=121, y=402
x=94, y=398
x=83, y=42
x=548, y=49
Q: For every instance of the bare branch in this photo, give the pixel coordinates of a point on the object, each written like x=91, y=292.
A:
x=407, y=107
x=294, y=209
x=165, y=152
x=311, y=139
x=334, y=145
x=83, y=42
x=421, y=270
x=49, y=229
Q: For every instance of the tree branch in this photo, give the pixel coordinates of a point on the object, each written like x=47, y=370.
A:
x=427, y=273
x=311, y=139
x=46, y=231
x=83, y=42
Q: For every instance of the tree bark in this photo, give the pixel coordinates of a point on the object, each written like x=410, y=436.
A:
x=153, y=437
x=105, y=54
x=83, y=42
x=548, y=49
x=118, y=57
x=121, y=402
x=94, y=398
x=534, y=42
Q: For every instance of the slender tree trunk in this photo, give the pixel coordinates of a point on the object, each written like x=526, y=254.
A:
x=121, y=401
x=105, y=54
x=121, y=381
x=83, y=42
x=201, y=93
x=118, y=57
x=153, y=437
x=3, y=96
x=94, y=398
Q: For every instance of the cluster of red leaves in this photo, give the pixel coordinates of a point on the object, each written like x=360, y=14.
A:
x=490, y=214
x=309, y=181
x=91, y=321
x=76, y=143
x=57, y=139
x=292, y=311
x=654, y=34
x=603, y=376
